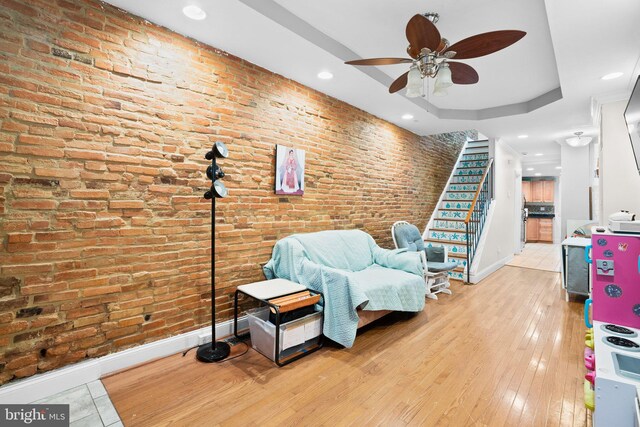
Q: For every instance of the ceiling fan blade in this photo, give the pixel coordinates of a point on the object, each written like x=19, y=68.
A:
x=485, y=43
x=399, y=83
x=463, y=74
x=379, y=61
x=421, y=33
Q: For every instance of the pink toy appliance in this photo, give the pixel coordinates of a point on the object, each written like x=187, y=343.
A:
x=615, y=267
x=589, y=359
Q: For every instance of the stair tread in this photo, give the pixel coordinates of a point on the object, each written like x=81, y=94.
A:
x=456, y=255
x=460, y=191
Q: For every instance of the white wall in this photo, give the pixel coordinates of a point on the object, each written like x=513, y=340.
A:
x=557, y=207
x=498, y=242
x=517, y=209
x=619, y=178
x=574, y=185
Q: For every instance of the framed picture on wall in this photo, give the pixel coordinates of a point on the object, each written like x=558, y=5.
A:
x=289, y=171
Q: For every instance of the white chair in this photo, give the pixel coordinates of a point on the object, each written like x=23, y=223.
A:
x=434, y=259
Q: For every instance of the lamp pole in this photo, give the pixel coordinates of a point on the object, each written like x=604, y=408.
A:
x=214, y=351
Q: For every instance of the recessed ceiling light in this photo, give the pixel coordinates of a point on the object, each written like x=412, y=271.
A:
x=325, y=75
x=538, y=174
x=539, y=154
x=530, y=169
x=558, y=167
x=407, y=116
x=611, y=76
x=194, y=12
x=523, y=136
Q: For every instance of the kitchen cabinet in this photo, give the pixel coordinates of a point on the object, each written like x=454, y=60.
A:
x=532, y=230
x=540, y=230
x=547, y=191
x=538, y=191
x=526, y=190
x=545, y=230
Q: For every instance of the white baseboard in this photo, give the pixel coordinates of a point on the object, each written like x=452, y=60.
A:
x=478, y=276
x=43, y=385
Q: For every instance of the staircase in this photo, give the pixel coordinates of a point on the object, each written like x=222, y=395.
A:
x=457, y=222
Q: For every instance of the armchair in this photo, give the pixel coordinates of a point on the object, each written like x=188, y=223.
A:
x=434, y=259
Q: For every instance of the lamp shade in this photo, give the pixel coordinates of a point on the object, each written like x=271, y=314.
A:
x=579, y=140
x=443, y=79
x=440, y=91
x=415, y=87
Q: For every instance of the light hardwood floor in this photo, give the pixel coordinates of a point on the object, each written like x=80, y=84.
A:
x=505, y=352
x=539, y=256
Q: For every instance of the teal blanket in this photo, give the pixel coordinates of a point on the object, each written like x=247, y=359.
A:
x=351, y=271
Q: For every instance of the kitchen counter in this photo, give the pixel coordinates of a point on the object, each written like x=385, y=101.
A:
x=541, y=215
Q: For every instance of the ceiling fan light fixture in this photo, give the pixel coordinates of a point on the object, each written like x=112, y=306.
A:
x=578, y=140
x=429, y=51
x=415, y=87
x=440, y=92
x=443, y=79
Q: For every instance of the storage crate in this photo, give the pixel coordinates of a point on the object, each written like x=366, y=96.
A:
x=295, y=336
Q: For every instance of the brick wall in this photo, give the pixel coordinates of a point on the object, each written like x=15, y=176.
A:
x=104, y=122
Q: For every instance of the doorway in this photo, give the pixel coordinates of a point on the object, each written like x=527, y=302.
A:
x=539, y=209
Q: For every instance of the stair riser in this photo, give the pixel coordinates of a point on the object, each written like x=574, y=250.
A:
x=480, y=142
x=471, y=157
x=454, y=236
x=458, y=275
x=460, y=172
x=455, y=205
x=463, y=187
x=476, y=151
x=458, y=249
x=450, y=225
x=460, y=196
x=451, y=214
x=460, y=179
x=473, y=164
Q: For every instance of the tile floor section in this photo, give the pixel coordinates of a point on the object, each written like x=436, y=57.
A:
x=90, y=406
x=539, y=256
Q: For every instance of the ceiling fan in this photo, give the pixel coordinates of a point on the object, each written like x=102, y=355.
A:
x=430, y=56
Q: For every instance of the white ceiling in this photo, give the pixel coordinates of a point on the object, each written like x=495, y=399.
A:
x=569, y=44
x=541, y=156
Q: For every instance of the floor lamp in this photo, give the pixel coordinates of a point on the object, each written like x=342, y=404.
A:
x=214, y=351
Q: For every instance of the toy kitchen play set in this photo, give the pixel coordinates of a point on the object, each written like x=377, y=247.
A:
x=612, y=355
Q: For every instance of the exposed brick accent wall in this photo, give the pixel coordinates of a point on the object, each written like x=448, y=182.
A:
x=104, y=122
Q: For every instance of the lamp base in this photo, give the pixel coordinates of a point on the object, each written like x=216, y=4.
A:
x=213, y=352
